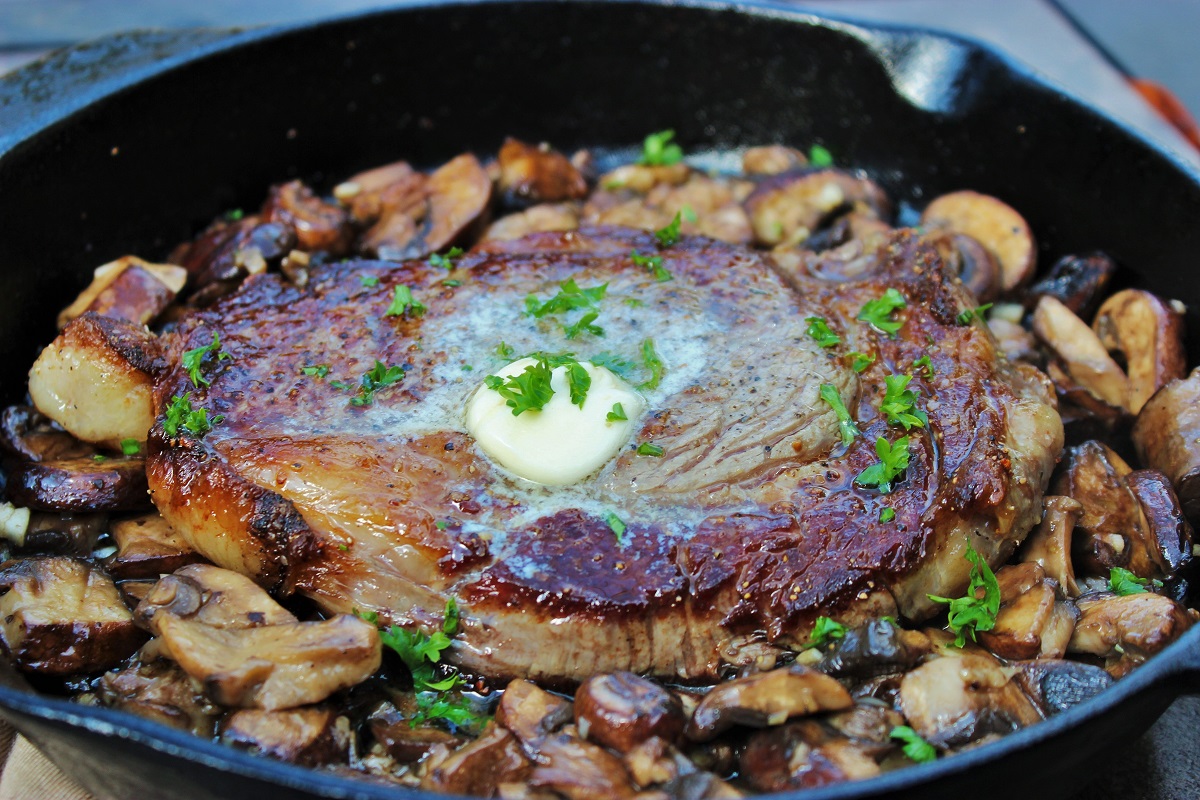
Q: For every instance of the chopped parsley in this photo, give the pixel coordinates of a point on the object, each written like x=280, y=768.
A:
x=445, y=261
x=374, y=379
x=193, y=360
x=887, y=514
x=824, y=632
x=618, y=365
x=633, y=302
x=181, y=414
x=893, y=460
x=505, y=350
x=130, y=447
x=370, y=281
x=615, y=523
x=441, y=524
x=648, y=449
x=653, y=364
x=404, y=303
x=971, y=612
x=99, y=458
x=923, y=363
x=451, y=283
x=1123, y=582
x=584, y=325
x=531, y=390
x=669, y=235
x=916, y=748
x=819, y=330
x=578, y=382
x=316, y=370
x=819, y=156
x=846, y=426
x=234, y=215
x=653, y=264
x=970, y=314
x=878, y=312
x=659, y=151
x=617, y=414
x=899, y=403
x=860, y=361
x=569, y=298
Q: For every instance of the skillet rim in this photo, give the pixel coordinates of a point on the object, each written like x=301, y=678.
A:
x=1173, y=672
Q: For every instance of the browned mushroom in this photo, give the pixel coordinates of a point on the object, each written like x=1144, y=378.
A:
x=221, y=257
x=706, y=205
x=1148, y=333
x=309, y=736
x=130, y=289
x=803, y=755
x=60, y=615
x=478, y=767
x=786, y=209
x=1169, y=537
x=1055, y=685
x=955, y=701
x=866, y=723
x=392, y=729
x=383, y=189
x=64, y=533
x=546, y=217
x=1077, y=282
x=1167, y=438
x=219, y=598
x=772, y=159
x=29, y=435
x=1126, y=629
x=161, y=691
x=639, y=178
x=81, y=484
x=318, y=225
x=621, y=709
x=973, y=263
x=766, y=698
x=995, y=225
x=580, y=770
x=879, y=647
x=1050, y=543
x=95, y=380
x=1082, y=354
x=1015, y=341
x=655, y=761
x=531, y=712
x=1032, y=622
x=147, y=547
x=531, y=175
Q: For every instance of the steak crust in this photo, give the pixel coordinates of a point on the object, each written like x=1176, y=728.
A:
x=748, y=527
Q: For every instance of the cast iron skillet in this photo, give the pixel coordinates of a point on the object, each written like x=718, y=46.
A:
x=132, y=143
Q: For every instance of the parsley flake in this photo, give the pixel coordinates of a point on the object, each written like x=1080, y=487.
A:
x=648, y=449
x=181, y=414
x=569, y=298
x=916, y=748
x=193, y=360
x=441, y=524
x=1124, y=582
x=130, y=447
x=878, y=312
x=846, y=426
x=893, y=460
x=618, y=365
x=445, y=261
x=617, y=414
x=669, y=235
x=505, y=350
x=659, y=151
x=860, y=361
x=899, y=403
x=99, y=458
x=653, y=264
x=824, y=632
x=234, y=215
x=971, y=612
x=403, y=303
x=370, y=281
x=316, y=370
x=887, y=514
x=923, y=363
x=584, y=325
x=532, y=389
x=653, y=363
x=819, y=330
x=615, y=523
x=819, y=156
x=970, y=314
x=451, y=283
x=372, y=381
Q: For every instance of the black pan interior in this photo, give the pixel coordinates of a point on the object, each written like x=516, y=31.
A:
x=158, y=152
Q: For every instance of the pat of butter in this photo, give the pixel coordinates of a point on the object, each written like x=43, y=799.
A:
x=562, y=443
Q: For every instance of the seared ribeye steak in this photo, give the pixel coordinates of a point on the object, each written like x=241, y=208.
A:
x=745, y=529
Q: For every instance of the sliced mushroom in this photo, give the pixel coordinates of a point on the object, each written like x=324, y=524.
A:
x=640, y=178
x=973, y=263
x=531, y=712
x=1050, y=544
x=1015, y=342
x=880, y=647
x=1082, y=354
x=1148, y=333
x=218, y=598
x=1111, y=531
x=1055, y=685
x=580, y=770
x=370, y=194
x=29, y=435
x=308, y=736
x=546, y=217
x=955, y=701
x=772, y=159
x=161, y=691
x=1078, y=282
x=147, y=546
x=128, y=288
x=81, y=484
x=786, y=209
x=706, y=205
x=479, y=767
x=64, y=533
x=802, y=755
x=697, y=786
x=866, y=723
x=621, y=709
x=1032, y=622
x=220, y=258
x=1167, y=438
x=1126, y=629
x=537, y=174
x=655, y=761
x=318, y=225
x=394, y=731
x=95, y=380
x=1169, y=537
x=994, y=224
x=767, y=698
x=60, y=616
x=1085, y=416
